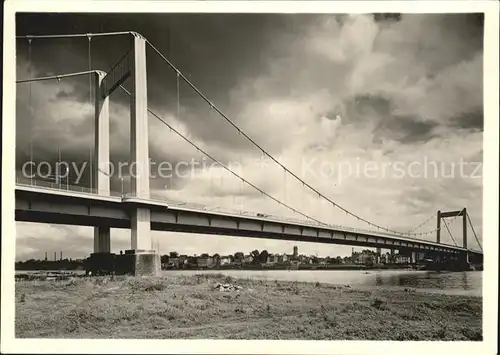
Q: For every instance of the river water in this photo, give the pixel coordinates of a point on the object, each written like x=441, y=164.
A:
x=467, y=283
x=454, y=283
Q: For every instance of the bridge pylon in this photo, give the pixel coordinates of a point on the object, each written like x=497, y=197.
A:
x=453, y=214
x=100, y=172
x=141, y=259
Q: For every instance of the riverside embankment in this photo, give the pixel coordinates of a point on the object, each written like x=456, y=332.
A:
x=193, y=306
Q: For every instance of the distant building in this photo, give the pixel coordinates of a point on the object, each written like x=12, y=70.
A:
x=282, y=258
x=183, y=260
x=322, y=261
x=205, y=261
x=305, y=259
x=402, y=259
x=272, y=258
x=348, y=260
x=363, y=258
x=295, y=251
x=225, y=260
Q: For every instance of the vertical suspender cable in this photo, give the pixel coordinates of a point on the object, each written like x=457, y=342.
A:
x=58, y=170
x=178, y=99
x=284, y=184
x=90, y=168
x=31, y=113
x=241, y=185
x=90, y=103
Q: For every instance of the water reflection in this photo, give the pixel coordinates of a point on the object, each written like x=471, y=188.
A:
x=464, y=282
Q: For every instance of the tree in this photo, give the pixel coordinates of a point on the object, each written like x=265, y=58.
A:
x=263, y=256
x=204, y=255
x=239, y=256
x=216, y=258
x=255, y=255
x=164, y=259
x=174, y=254
x=369, y=261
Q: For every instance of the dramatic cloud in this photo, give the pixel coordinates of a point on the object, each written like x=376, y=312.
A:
x=328, y=95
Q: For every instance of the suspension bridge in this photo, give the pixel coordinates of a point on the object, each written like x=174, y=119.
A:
x=141, y=210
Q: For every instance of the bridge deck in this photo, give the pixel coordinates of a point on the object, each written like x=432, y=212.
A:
x=49, y=205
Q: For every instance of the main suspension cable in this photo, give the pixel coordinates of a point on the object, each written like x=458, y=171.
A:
x=449, y=232
x=224, y=166
x=212, y=105
x=421, y=224
x=473, y=231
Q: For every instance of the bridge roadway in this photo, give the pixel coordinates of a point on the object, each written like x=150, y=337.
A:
x=47, y=205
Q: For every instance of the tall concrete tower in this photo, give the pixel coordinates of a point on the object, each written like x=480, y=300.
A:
x=295, y=251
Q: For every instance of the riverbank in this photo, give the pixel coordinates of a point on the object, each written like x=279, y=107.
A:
x=195, y=307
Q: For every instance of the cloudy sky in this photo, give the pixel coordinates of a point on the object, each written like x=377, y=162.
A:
x=383, y=114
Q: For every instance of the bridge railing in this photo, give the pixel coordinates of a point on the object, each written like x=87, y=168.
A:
x=61, y=186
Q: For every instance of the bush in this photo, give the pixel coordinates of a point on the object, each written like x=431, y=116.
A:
x=377, y=303
x=156, y=286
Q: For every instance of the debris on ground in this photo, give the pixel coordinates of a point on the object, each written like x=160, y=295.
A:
x=227, y=287
x=46, y=276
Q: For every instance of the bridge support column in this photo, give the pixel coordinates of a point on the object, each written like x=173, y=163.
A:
x=102, y=240
x=100, y=169
x=438, y=229
x=144, y=261
x=464, y=227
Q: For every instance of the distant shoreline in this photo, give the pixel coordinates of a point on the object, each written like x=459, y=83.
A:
x=257, y=267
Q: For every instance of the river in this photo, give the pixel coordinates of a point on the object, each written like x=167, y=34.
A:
x=467, y=283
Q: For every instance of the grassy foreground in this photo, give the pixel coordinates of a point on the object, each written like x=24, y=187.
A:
x=189, y=307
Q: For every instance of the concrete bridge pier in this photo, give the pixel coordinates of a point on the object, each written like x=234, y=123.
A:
x=102, y=239
x=101, y=260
